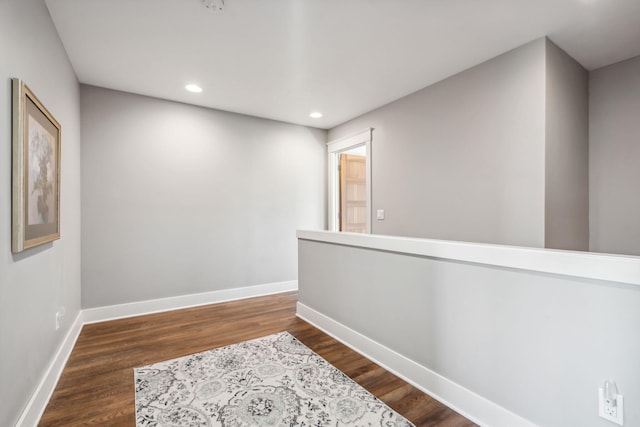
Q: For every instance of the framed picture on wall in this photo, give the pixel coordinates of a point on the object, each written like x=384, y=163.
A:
x=36, y=171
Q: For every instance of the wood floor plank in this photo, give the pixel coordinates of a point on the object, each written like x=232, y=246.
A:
x=96, y=386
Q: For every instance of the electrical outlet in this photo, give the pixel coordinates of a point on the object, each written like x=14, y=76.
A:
x=610, y=407
x=59, y=316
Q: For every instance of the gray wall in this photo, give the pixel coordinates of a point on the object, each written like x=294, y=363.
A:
x=567, y=152
x=35, y=283
x=463, y=159
x=178, y=199
x=614, y=158
x=536, y=344
x=495, y=154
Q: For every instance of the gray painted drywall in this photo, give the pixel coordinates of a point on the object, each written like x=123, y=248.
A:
x=536, y=344
x=35, y=283
x=463, y=159
x=614, y=158
x=567, y=152
x=178, y=199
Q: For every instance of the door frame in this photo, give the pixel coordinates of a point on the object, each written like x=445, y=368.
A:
x=334, y=148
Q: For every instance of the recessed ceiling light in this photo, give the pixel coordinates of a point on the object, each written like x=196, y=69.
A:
x=193, y=88
x=315, y=115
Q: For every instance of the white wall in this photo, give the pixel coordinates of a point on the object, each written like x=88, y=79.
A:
x=178, y=199
x=567, y=152
x=534, y=343
x=463, y=159
x=35, y=283
x=614, y=158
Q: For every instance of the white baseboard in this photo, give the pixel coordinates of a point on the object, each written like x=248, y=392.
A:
x=40, y=398
x=111, y=312
x=467, y=403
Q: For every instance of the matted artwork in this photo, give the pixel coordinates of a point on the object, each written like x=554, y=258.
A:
x=36, y=171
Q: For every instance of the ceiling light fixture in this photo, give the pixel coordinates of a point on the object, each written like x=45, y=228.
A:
x=214, y=5
x=315, y=115
x=193, y=88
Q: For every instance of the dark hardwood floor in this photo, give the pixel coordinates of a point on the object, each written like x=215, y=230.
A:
x=96, y=386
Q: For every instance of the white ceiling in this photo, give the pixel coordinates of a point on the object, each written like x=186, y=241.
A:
x=282, y=59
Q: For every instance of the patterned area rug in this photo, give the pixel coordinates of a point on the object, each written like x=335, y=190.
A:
x=271, y=381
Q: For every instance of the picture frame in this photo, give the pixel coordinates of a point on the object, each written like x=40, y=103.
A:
x=35, y=186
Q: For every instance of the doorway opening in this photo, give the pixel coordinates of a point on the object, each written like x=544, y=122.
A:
x=349, y=176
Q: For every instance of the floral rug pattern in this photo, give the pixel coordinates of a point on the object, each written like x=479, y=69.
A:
x=271, y=381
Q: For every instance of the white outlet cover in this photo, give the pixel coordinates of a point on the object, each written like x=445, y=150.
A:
x=59, y=316
x=380, y=214
x=619, y=413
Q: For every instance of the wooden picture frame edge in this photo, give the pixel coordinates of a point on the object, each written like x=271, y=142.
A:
x=20, y=93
